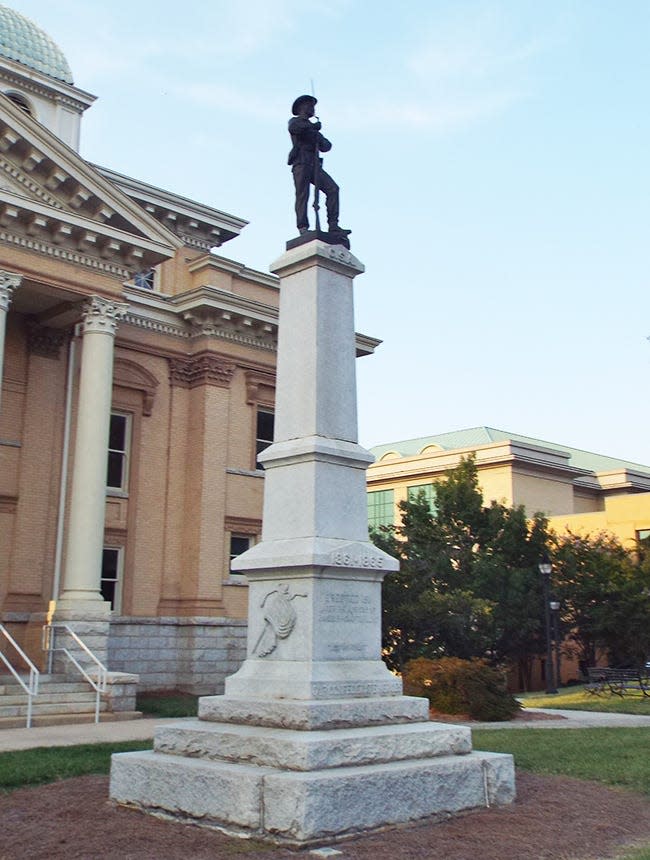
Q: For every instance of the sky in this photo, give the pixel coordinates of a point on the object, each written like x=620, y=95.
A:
x=493, y=163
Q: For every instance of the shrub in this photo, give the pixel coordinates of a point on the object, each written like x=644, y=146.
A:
x=455, y=686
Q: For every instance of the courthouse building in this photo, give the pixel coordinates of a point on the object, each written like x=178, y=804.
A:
x=125, y=338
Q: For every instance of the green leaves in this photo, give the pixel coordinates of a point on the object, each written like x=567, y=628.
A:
x=468, y=584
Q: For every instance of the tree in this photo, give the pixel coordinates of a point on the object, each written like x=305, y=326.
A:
x=468, y=584
x=605, y=598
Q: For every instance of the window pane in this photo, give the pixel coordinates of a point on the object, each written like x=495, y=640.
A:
x=381, y=511
x=117, y=433
x=238, y=545
x=264, y=435
x=110, y=574
x=429, y=492
x=108, y=591
x=265, y=425
x=115, y=470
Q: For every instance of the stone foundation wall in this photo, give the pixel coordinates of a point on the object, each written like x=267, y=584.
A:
x=191, y=654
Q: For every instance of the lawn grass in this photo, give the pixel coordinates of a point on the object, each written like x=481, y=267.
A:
x=613, y=756
x=48, y=764
x=167, y=703
x=637, y=854
x=576, y=699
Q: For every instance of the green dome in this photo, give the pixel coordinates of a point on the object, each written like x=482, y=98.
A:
x=24, y=42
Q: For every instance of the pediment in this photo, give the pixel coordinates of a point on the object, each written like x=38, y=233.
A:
x=48, y=191
x=17, y=181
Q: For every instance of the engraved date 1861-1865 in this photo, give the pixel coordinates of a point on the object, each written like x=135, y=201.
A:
x=350, y=559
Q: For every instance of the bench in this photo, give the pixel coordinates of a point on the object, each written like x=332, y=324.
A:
x=606, y=681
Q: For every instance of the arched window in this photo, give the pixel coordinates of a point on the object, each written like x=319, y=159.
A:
x=21, y=102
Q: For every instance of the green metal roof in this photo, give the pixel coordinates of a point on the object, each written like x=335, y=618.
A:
x=475, y=436
x=24, y=42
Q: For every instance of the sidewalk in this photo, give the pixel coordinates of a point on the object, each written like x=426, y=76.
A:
x=79, y=733
x=561, y=719
x=136, y=730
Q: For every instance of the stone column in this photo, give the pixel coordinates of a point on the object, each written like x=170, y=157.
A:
x=85, y=535
x=8, y=283
x=315, y=563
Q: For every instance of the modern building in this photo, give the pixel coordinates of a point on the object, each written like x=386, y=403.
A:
x=574, y=488
x=125, y=339
x=578, y=491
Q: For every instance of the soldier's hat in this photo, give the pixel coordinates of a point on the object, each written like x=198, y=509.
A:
x=295, y=107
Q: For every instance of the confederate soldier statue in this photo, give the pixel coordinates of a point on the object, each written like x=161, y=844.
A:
x=306, y=165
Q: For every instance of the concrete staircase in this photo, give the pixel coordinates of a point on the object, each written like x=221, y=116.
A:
x=60, y=701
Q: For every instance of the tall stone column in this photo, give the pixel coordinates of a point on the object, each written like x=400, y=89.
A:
x=8, y=283
x=85, y=535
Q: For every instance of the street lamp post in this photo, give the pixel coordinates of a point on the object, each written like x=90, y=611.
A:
x=545, y=568
x=555, y=615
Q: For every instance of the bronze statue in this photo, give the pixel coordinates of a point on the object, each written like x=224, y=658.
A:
x=306, y=165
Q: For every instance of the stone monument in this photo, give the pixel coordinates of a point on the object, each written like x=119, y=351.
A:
x=312, y=740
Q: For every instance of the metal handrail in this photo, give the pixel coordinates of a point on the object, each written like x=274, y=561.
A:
x=31, y=688
x=49, y=644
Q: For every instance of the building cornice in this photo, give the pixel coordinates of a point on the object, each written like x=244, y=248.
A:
x=214, y=313
x=196, y=224
x=535, y=459
x=41, y=84
x=74, y=238
x=208, y=263
x=62, y=180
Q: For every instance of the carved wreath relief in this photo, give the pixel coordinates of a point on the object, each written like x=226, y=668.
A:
x=279, y=619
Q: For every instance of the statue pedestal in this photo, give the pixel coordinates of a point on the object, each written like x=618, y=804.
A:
x=312, y=740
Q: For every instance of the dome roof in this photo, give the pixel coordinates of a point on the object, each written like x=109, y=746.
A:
x=24, y=42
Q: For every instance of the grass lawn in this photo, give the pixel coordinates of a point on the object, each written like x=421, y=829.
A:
x=576, y=699
x=48, y=764
x=613, y=756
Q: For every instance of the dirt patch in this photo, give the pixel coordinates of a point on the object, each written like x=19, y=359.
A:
x=553, y=817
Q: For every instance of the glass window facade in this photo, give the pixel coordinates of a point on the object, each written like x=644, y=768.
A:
x=381, y=508
x=429, y=491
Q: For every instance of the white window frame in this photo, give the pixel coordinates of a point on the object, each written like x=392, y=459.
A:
x=119, y=568
x=267, y=411
x=126, y=454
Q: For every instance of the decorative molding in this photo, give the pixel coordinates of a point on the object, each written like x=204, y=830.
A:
x=130, y=374
x=65, y=254
x=102, y=315
x=8, y=504
x=9, y=282
x=115, y=535
x=32, y=86
x=202, y=369
x=191, y=333
x=243, y=525
x=158, y=326
x=260, y=388
x=28, y=184
x=45, y=341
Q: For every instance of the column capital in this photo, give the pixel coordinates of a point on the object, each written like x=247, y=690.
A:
x=102, y=315
x=8, y=283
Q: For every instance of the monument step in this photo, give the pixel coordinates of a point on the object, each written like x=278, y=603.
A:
x=302, y=808
x=314, y=714
x=309, y=751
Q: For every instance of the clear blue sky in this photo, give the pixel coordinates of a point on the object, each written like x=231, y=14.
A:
x=493, y=161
